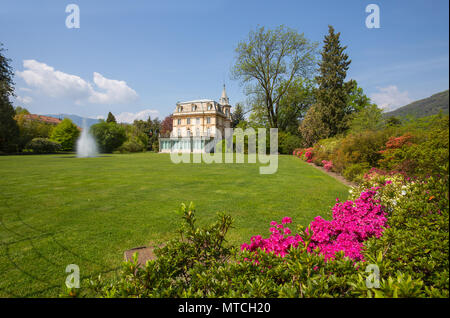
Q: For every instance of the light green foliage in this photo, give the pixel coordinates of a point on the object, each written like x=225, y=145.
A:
x=65, y=133
x=368, y=118
x=268, y=62
x=312, y=127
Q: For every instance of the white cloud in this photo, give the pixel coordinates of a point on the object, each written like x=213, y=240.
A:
x=25, y=99
x=130, y=117
x=58, y=84
x=389, y=98
x=115, y=91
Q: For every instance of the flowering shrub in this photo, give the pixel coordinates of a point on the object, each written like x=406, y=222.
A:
x=411, y=253
x=309, y=154
x=328, y=165
x=279, y=241
x=353, y=222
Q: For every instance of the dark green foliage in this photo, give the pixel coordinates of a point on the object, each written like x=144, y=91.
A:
x=109, y=136
x=333, y=92
x=424, y=107
x=237, y=115
x=66, y=133
x=393, y=121
x=111, y=118
x=147, y=133
x=288, y=142
x=43, y=145
x=294, y=104
x=29, y=129
x=417, y=241
x=9, y=131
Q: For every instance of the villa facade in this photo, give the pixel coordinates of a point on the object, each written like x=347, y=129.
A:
x=197, y=122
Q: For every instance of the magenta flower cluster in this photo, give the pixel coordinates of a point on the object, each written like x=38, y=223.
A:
x=279, y=241
x=353, y=222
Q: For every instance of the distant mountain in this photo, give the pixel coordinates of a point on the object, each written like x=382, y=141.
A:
x=425, y=107
x=77, y=120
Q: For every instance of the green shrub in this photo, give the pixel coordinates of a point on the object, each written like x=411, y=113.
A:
x=288, y=142
x=43, y=145
x=132, y=146
x=109, y=136
x=359, y=148
x=417, y=240
x=355, y=171
x=66, y=133
x=422, y=154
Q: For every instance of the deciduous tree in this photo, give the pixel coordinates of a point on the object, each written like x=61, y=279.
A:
x=269, y=61
x=9, y=131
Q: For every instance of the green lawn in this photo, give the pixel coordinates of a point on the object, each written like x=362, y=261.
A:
x=57, y=210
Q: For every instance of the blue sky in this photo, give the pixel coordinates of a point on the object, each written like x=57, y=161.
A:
x=136, y=58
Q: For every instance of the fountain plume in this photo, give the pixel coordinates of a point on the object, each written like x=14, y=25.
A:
x=86, y=145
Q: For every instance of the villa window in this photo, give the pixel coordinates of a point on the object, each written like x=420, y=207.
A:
x=209, y=107
x=197, y=132
x=179, y=121
x=197, y=121
x=179, y=132
x=208, y=120
x=188, y=121
x=188, y=133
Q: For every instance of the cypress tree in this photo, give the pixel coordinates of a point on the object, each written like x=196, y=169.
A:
x=333, y=92
x=111, y=118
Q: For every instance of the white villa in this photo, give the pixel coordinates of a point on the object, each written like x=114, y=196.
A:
x=195, y=123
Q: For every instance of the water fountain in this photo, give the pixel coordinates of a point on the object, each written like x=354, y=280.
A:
x=86, y=145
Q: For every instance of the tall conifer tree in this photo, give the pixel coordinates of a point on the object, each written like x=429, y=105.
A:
x=333, y=92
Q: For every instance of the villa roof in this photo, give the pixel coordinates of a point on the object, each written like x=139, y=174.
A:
x=198, y=101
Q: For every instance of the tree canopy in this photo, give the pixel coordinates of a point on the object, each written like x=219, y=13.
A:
x=269, y=61
x=9, y=131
